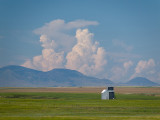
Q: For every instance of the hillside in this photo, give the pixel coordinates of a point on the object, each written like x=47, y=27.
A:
x=18, y=76
x=141, y=81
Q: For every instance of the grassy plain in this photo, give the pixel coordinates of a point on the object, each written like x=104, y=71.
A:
x=78, y=106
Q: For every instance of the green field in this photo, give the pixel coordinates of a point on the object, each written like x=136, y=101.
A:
x=78, y=106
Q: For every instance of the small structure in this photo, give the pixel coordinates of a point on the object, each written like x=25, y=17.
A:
x=107, y=93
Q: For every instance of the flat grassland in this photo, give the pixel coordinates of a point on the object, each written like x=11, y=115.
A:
x=131, y=103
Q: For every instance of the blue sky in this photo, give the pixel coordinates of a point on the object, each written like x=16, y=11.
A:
x=128, y=33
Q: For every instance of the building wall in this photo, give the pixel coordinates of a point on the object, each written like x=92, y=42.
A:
x=105, y=94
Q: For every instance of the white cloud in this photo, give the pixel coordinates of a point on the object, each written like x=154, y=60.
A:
x=79, y=24
x=47, y=61
x=28, y=64
x=57, y=31
x=61, y=50
x=127, y=65
x=59, y=25
x=86, y=56
x=144, y=68
x=119, y=72
x=148, y=69
x=47, y=43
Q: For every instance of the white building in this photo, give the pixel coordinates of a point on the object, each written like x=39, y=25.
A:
x=107, y=93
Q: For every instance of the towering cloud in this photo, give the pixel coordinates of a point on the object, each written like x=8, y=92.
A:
x=63, y=50
x=86, y=56
x=58, y=31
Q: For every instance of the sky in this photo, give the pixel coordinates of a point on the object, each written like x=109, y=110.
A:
x=113, y=39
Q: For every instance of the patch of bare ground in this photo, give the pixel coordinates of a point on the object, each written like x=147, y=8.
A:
x=121, y=90
x=138, y=90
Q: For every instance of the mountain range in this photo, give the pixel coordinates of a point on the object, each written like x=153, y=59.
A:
x=18, y=76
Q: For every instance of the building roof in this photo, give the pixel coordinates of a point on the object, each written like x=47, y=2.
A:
x=104, y=91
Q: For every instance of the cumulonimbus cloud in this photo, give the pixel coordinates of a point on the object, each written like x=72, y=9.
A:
x=86, y=56
x=63, y=50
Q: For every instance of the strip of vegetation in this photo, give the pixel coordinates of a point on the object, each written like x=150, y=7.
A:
x=78, y=96
x=86, y=105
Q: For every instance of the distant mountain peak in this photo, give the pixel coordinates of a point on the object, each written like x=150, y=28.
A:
x=141, y=81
